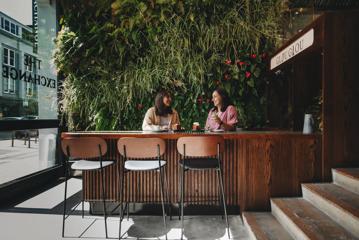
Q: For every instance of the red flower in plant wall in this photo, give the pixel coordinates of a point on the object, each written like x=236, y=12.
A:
x=248, y=74
x=139, y=106
x=200, y=100
x=264, y=55
x=240, y=63
x=217, y=82
x=253, y=55
x=228, y=62
x=226, y=76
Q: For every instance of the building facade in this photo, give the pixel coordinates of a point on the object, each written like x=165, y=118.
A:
x=19, y=64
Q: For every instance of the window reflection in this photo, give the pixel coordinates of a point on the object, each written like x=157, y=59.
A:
x=28, y=86
x=28, y=80
x=23, y=152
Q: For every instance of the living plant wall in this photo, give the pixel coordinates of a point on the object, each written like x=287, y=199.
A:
x=116, y=55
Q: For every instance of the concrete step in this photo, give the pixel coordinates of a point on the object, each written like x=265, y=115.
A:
x=303, y=221
x=337, y=202
x=347, y=178
x=263, y=226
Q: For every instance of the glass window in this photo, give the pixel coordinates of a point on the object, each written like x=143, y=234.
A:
x=7, y=25
x=28, y=87
x=6, y=56
x=13, y=28
x=2, y=22
x=29, y=62
x=9, y=83
x=26, y=151
x=6, y=85
x=9, y=57
x=12, y=58
x=12, y=85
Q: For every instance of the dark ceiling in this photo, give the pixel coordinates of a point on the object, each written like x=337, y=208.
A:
x=324, y=4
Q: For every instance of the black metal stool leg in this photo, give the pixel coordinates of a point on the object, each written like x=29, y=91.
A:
x=65, y=197
x=167, y=195
x=12, y=139
x=104, y=200
x=163, y=201
x=82, y=200
x=182, y=200
x=128, y=196
x=122, y=177
x=138, y=195
x=224, y=200
x=219, y=192
x=83, y=214
x=180, y=191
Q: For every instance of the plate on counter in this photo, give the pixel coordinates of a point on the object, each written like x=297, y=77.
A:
x=159, y=130
x=217, y=130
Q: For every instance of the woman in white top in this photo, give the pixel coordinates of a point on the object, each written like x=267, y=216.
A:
x=162, y=115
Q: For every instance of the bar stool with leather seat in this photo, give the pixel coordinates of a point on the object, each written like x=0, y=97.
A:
x=201, y=153
x=86, y=153
x=142, y=154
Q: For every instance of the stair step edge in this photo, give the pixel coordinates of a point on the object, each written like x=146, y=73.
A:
x=298, y=227
x=329, y=197
x=258, y=231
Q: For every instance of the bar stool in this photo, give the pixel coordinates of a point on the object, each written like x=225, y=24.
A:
x=78, y=149
x=201, y=153
x=142, y=154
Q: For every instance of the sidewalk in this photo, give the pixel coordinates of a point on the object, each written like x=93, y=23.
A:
x=19, y=161
x=44, y=212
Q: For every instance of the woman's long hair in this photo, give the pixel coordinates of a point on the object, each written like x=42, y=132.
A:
x=160, y=108
x=226, y=101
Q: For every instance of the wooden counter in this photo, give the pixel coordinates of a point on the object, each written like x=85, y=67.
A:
x=256, y=166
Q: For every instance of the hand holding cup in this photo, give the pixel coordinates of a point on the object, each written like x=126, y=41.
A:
x=164, y=128
x=176, y=127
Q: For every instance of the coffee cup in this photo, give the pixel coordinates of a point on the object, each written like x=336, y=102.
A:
x=177, y=127
x=196, y=126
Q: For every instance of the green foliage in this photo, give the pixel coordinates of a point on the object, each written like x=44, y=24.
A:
x=115, y=56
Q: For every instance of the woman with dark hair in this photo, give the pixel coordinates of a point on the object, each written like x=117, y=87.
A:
x=162, y=116
x=223, y=116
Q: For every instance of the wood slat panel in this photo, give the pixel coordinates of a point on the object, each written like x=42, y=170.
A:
x=329, y=65
x=254, y=169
